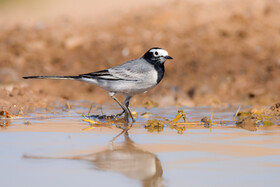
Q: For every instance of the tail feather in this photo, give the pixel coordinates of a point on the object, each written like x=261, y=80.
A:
x=52, y=77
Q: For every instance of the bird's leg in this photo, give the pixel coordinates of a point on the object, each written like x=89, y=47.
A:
x=123, y=107
x=126, y=102
x=117, y=115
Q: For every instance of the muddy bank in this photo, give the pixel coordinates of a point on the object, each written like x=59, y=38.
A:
x=230, y=56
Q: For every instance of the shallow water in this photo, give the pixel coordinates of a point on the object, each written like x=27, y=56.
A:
x=54, y=150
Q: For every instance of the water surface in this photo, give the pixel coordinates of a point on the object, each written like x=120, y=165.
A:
x=52, y=149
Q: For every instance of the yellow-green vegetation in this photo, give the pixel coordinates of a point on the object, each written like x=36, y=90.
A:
x=267, y=123
x=251, y=119
x=249, y=123
x=179, y=127
x=94, y=124
x=154, y=126
x=134, y=114
x=180, y=114
x=157, y=126
x=90, y=121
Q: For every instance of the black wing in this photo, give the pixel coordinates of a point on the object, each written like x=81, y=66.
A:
x=109, y=74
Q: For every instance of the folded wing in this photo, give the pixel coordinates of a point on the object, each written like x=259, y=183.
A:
x=112, y=75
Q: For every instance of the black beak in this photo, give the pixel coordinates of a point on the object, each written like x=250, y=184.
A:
x=168, y=57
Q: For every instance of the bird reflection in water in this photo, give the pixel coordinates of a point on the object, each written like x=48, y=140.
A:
x=125, y=158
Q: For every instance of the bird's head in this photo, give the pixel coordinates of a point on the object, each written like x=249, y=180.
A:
x=157, y=54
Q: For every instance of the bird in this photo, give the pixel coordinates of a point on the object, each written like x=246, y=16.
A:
x=129, y=79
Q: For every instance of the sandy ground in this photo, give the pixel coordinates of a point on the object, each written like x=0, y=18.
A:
x=225, y=52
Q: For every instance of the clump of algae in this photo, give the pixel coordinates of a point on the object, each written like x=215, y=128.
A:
x=255, y=117
x=154, y=125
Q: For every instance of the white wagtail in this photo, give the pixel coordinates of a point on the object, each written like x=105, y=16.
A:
x=130, y=78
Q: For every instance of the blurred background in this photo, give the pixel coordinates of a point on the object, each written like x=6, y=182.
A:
x=225, y=51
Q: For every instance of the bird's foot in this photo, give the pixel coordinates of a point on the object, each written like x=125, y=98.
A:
x=120, y=114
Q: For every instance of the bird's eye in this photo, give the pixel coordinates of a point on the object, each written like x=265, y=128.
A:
x=156, y=53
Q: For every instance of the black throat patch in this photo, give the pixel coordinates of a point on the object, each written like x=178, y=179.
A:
x=160, y=70
x=159, y=67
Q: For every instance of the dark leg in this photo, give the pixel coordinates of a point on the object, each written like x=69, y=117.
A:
x=123, y=107
x=118, y=115
x=126, y=102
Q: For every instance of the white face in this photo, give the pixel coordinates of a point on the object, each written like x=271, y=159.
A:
x=159, y=52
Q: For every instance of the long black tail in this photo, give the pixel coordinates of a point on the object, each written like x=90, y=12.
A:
x=52, y=77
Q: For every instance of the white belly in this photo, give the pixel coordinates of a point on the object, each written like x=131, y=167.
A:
x=126, y=87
